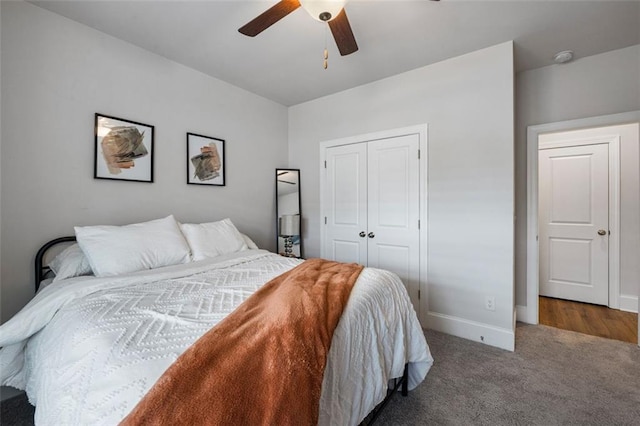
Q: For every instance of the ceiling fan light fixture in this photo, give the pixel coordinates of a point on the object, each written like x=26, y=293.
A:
x=331, y=12
x=323, y=10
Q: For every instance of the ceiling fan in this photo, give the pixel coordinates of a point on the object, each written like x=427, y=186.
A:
x=331, y=12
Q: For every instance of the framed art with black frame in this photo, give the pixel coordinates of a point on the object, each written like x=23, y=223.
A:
x=205, y=160
x=123, y=149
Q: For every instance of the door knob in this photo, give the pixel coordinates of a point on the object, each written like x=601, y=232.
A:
x=602, y=232
x=371, y=235
x=362, y=234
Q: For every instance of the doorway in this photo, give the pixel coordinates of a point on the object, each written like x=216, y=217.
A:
x=617, y=236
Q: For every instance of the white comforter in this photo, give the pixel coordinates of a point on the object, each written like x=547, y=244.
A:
x=87, y=349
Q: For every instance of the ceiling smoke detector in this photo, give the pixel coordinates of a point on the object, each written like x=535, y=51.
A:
x=563, y=57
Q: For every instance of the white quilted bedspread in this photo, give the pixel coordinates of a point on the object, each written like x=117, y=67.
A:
x=87, y=349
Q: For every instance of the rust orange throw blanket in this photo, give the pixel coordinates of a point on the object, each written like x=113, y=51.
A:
x=264, y=363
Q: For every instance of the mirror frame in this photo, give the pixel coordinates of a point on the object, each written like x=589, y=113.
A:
x=280, y=170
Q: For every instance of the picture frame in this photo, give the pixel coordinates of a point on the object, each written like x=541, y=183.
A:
x=205, y=160
x=123, y=149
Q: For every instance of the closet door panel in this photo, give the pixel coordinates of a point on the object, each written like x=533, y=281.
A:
x=347, y=251
x=392, y=257
x=346, y=209
x=394, y=209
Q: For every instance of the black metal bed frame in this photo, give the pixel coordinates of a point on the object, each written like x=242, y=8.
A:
x=401, y=383
x=43, y=270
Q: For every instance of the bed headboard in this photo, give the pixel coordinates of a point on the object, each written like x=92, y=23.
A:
x=43, y=270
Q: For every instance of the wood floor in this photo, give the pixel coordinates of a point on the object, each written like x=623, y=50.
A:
x=589, y=319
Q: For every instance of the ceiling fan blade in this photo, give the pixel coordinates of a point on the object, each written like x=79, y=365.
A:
x=342, y=33
x=269, y=17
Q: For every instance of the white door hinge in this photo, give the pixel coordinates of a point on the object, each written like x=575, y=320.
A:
x=418, y=223
x=325, y=220
x=325, y=164
x=418, y=154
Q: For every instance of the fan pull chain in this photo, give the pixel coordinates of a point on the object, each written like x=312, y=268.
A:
x=326, y=52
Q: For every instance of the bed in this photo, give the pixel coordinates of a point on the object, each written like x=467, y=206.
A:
x=86, y=349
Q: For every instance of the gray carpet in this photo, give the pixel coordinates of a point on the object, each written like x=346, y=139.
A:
x=554, y=377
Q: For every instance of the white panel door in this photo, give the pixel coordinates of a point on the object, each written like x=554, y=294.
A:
x=394, y=210
x=574, y=223
x=346, y=198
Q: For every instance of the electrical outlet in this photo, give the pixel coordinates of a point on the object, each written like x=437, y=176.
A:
x=490, y=303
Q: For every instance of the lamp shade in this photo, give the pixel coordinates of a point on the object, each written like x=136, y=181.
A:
x=289, y=225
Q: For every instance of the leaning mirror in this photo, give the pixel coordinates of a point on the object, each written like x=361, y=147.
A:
x=288, y=212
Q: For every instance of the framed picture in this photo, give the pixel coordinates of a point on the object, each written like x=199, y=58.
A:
x=124, y=149
x=205, y=160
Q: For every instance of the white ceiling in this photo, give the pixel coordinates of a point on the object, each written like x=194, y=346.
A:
x=284, y=63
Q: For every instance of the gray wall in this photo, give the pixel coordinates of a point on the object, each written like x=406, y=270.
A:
x=468, y=104
x=603, y=84
x=0, y=170
x=56, y=74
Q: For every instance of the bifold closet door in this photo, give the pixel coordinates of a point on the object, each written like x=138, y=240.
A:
x=373, y=205
x=346, y=197
x=394, y=209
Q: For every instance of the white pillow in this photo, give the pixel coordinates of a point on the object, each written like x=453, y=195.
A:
x=213, y=238
x=115, y=250
x=249, y=242
x=71, y=262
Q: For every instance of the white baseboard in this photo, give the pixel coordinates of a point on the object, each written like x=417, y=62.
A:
x=494, y=336
x=628, y=303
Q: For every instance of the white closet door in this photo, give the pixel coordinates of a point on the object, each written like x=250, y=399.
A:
x=393, y=209
x=346, y=209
